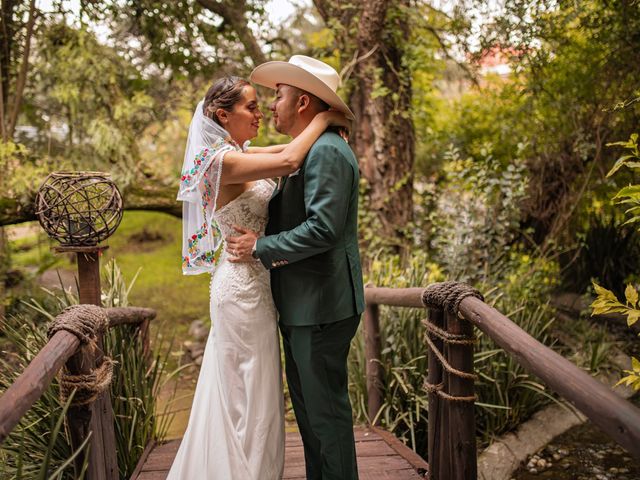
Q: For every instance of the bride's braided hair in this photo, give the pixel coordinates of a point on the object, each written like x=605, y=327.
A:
x=224, y=93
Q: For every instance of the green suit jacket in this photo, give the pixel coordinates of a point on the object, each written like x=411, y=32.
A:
x=311, y=242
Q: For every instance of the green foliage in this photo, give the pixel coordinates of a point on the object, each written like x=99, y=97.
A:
x=181, y=38
x=24, y=171
x=570, y=62
x=630, y=195
x=472, y=122
x=134, y=391
x=606, y=301
x=87, y=89
x=153, y=241
x=476, y=218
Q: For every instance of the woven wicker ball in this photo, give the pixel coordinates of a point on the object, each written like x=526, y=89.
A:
x=79, y=208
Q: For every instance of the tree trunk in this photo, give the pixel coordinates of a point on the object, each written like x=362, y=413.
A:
x=4, y=268
x=22, y=76
x=380, y=97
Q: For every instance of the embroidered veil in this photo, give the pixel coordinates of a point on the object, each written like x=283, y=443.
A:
x=207, y=144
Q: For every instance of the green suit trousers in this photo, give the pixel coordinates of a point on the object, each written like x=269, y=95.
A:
x=316, y=366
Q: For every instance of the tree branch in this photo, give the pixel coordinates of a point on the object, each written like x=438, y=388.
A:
x=235, y=15
x=149, y=197
x=22, y=76
x=331, y=9
x=445, y=50
x=3, y=130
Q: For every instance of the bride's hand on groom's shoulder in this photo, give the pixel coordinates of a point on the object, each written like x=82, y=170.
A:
x=241, y=247
x=335, y=118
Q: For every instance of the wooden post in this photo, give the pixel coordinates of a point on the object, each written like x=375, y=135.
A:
x=434, y=377
x=143, y=335
x=444, y=457
x=462, y=426
x=103, y=460
x=96, y=418
x=372, y=354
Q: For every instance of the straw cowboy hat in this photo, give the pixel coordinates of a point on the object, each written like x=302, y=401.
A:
x=306, y=73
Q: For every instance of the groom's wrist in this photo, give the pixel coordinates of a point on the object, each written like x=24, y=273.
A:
x=254, y=251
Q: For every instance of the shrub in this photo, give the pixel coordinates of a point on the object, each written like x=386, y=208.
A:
x=39, y=440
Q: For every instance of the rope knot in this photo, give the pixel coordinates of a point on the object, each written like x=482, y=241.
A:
x=84, y=321
x=448, y=295
x=88, y=387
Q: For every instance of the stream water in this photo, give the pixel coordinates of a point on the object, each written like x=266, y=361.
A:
x=583, y=453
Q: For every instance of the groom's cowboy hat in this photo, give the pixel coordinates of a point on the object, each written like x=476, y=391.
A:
x=307, y=74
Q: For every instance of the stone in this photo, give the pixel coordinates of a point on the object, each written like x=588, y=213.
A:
x=198, y=330
x=197, y=351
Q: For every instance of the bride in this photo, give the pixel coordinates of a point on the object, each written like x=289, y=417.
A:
x=236, y=426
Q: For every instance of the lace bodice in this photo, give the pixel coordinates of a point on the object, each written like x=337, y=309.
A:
x=246, y=282
x=249, y=209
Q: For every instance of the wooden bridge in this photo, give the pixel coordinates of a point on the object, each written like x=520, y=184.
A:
x=451, y=436
x=381, y=456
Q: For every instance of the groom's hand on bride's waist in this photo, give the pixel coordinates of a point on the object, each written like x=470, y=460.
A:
x=241, y=247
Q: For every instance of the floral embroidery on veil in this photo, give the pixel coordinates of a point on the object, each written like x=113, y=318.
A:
x=199, y=185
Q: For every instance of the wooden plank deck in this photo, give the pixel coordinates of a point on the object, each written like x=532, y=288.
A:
x=381, y=456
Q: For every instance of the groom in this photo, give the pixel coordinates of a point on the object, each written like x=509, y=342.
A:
x=311, y=248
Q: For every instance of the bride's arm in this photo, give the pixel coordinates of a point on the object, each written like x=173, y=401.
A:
x=239, y=167
x=269, y=149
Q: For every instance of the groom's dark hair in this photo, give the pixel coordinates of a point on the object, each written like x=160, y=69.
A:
x=320, y=105
x=224, y=93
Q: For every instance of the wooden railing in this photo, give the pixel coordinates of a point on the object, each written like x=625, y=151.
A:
x=64, y=348
x=451, y=435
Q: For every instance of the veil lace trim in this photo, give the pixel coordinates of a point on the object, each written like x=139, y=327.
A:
x=206, y=146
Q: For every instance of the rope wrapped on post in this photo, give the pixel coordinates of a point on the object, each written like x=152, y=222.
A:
x=85, y=322
x=447, y=296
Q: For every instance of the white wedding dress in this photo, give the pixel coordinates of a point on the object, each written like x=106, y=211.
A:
x=236, y=427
